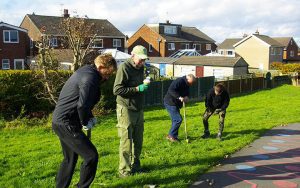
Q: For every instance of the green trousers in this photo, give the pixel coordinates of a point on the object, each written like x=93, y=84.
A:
x=130, y=130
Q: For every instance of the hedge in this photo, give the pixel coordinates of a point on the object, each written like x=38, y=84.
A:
x=19, y=91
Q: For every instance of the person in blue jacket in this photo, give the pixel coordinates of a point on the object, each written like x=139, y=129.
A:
x=177, y=94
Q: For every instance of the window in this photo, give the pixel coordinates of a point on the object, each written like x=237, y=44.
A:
x=150, y=48
x=19, y=64
x=53, y=42
x=171, y=46
x=98, y=43
x=116, y=42
x=10, y=36
x=197, y=47
x=291, y=42
x=170, y=30
x=292, y=53
x=5, y=64
x=279, y=51
x=31, y=43
x=208, y=46
x=273, y=51
x=187, y=46
x=229, y=52
x=221, y=52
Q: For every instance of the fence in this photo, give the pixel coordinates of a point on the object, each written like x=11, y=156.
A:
x=158, y=89
x=234, y=85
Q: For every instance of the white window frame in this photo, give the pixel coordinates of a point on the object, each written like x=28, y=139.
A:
x=273, y=51
x=97, y=39
x=150, y=47
x=53, y=42
x=8, y=63
x=31, y=43
x=115, y=43
x=171, y=46
x=9, y=41
x=292, y=54
x=195, y=47
x=208, y=46
x=187, y=46
x=170, y=29
x=15, y=62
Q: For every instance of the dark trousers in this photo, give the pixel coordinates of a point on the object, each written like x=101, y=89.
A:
x=208, y=112
x=74, y=142
x=176, y=119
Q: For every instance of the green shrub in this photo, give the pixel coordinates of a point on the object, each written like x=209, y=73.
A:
x=286, y=68
x=22, y=94
x=23, y=88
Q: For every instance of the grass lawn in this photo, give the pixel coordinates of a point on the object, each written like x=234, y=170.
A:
x=30, y=157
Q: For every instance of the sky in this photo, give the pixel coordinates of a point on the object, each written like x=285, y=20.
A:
x=219, y=19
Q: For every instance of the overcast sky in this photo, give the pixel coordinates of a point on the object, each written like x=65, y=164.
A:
x=219, y=19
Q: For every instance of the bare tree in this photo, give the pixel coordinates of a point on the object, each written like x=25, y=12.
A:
x=80, y=34
x=47, y=71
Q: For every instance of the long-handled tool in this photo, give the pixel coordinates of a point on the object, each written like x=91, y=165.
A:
x=185, y=128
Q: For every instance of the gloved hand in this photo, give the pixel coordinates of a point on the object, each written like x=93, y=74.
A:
x=142, y=87
x=218, y=110
x=91, y=123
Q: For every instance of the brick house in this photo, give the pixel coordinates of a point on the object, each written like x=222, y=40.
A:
x=290, y=50
x=108, y=36
x=163, y=39
x=14, y=47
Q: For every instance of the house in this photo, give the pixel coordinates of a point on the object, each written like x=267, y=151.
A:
x=259, y=51
x=202, y=66
x=290, y=51
x=226, y=47
x=38, y=26
x=163, y=39
x=14, y=47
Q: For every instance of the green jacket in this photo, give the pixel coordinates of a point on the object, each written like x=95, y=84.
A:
x=127, y=79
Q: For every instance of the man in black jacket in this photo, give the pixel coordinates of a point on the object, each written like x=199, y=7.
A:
x=217, y=101
x=74, y=111
x=178, y=93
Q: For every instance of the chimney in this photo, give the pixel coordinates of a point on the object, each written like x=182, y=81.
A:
x=66, y=14
x=168, y=22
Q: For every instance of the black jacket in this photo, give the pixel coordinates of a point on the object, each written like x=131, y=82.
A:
x=178, y=88
x=78, y=97
x=214, y=101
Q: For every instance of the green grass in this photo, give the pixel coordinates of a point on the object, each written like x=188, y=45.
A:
x=30, y=157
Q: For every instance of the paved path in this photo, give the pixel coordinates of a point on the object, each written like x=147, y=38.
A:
x=273, y=161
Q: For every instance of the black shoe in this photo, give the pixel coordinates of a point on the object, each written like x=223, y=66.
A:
x=219, y=136
x=205, y=135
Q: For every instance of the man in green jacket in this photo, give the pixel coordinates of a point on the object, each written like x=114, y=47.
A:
x=129, y=88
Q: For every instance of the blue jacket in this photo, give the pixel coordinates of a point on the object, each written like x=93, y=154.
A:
x=178, y=88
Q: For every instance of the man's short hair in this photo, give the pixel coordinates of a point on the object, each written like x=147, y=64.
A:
x=219, y=88
x=106, y=60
